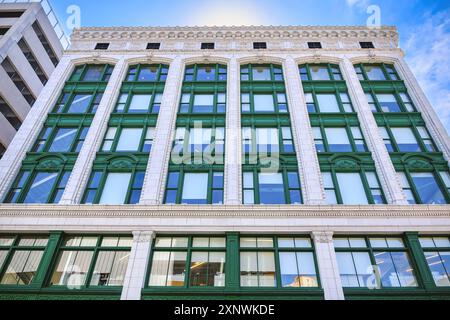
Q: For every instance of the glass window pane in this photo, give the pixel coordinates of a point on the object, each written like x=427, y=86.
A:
x=217, y=242
x=271, y=188
x=116, y=188
x=261, y=74
x=80, y=103
x=428, y=188
x=63, y=140
x=177, y=269
x=130, y=139
x=357, y=243
x=248, y=243
x=347, y=269
x=289, y=271
x=22, y=268
x=200, y=242
x=110, y=268
x=341, y=243
x=437, y=267
x=319, y=73
x=248, y=180
x=249, y=197
x=203, y=103
x=406, y=140
x=41, y=187
x=195, y=188
x=328, y=103
x=426, y=242
x=442, y=242
x=160, y=264
x=307, y=269
x=378, y=243
x=148, y=74
x=265, y=242
x=286, y=243
x=303, y=243
x=249, y=269
x=388, y=103
x=330, y=196
x=372, y=180
x=374, y=73
x=352, y=189
x=446, y=178
x=72, y=268
x=338, y=140
x=179, y=242
x=264, y=103
x=395, y=243
x=266, y=268
x=140, y=102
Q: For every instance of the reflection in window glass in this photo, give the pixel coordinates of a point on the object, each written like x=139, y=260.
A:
x=168, y=269
x=258, y=269
x=264, y=103
x=327, y=103
x=427, y=188
x=22, y=268
x=110, y=268
x=395, y=269
x=375, y=73
x=80, y=103
x=298, y=269
x=207, y=269
x=355, y=268
x=271, y=188
x=72, y=268
x=41, y=187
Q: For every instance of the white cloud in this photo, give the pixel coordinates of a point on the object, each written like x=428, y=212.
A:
x=428, y=54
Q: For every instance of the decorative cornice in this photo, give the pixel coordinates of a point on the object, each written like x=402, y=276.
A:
x=234, y=32
x=167, y=211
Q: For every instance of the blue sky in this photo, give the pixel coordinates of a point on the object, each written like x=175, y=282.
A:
x=424, y=26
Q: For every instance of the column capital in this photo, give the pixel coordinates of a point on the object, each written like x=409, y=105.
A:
x=143, y=236
x=322, y=236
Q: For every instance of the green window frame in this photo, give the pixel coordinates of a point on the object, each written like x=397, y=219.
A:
x=196, y=262
x=92, y=73
x=262, y=262
x=422, y=136
x=114, y=134
x=20, y=258
x=284, y=143
x=354, y=135
x=215, y=146
x=188, y=103
x=147, y=73
x=126, y=99
x=214, y=185
x=68, y=99
x=248, y=101
x=47, y=140
x=437, y=255
x=98, y=180
x=370, y=183
x=275, y=72
x=359, y=255
x=252, y=190
x=344, y=103
x=401, y=101
x=331, y=70
x=196, y=73
x=387, y=70
x=416, y=194
x=26, y=181
x=80, y=258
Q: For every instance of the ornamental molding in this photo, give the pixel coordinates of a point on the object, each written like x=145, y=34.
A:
x=167, y=211
x=234, y=32
x=323, y=236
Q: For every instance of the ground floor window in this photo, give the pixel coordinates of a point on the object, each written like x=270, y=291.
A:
x=437, y=255
x=374, y=262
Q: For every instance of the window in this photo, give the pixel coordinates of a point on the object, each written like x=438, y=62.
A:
x=102, y=46
x=339, y=139
x=92, y=261
x=437, y=254
x=357, y=256
x=92, y=73
x=38, y=187
x=295, y=257
x=314, y=45
x=153, y=46
x=264, y=103
x=405, y=139
x=61, y=139
x=78, y=103
x=194, y=187
x=367, y=45
x=272, y=188
x=45, y=43
x=139, y=103
x=128, y=139
x=3, y=30
x=259, y=45
x=206, y=73
x=29, y=55
x=9, y=114
x=425, y=187
x=207, y=46
x=203, y=103
x=319, y=72
x=20, y=257
x=188, y=262
x=18, y=81
x=267, y=140
x=200, y=140
x=261, y=73
x=376, y=72
x=114, y=188
x=147, y=73
x=352, y=188
x=390, y=102
x=327, y=103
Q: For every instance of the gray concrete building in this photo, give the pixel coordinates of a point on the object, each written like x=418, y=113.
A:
x=31, y=45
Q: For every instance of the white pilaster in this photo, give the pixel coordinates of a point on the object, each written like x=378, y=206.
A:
x=328, y=266
x=12, y=160
x=310, y=175
x=434, y=125
x=158, y=165
x=83, y=166
x=385, y=169
x=137, y=265
x=233, y=149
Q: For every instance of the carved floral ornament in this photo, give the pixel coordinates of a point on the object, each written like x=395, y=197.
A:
x=255, y=32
